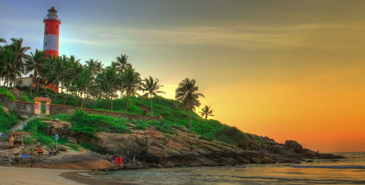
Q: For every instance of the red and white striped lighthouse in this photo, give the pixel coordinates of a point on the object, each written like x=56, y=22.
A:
x=51, y=32
x=51, y=37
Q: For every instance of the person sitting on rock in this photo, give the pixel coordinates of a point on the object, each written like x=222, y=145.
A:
x=40, y=151
x=51, y=151
x=134, y=159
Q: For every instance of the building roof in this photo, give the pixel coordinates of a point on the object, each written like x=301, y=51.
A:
x=46, y=99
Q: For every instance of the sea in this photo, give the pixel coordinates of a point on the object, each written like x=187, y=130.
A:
x=350, y=170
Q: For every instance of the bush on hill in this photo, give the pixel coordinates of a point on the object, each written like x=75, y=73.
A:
x=7, y=120
x=10, y=95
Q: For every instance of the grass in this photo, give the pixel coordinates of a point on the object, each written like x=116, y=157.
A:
x=173, y=117
x=7, y=120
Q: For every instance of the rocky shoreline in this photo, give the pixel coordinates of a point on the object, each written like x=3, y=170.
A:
x=154, y=149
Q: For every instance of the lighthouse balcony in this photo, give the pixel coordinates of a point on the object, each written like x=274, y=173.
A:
x=51, y=18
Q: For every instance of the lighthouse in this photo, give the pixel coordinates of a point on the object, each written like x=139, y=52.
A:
x=51, y=37
x=51, y=32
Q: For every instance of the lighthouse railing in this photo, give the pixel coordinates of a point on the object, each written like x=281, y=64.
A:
x=53, y=18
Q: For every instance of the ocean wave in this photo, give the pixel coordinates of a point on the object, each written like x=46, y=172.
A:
x=330, y=166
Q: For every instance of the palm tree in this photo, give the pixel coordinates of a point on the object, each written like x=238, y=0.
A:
x=152, y=87
x=107, y=81
x=9, y=67
x=57, y=72
x=187, y=94
x=122, y=62
x=130, y=81
x=17, y=47
x=206, y=111
x=82, y=83
x=17, y=64
x=38, y=64
x=2, y=40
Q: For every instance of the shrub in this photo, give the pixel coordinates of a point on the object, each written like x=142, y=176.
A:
x=10, y=95
x=36, y=124
x=208, y=136
x=261, y=143
x=7, y=120
x=88, y=124
x=140, y=126
x=90, y=147
x=232, y=136
x=73, y=146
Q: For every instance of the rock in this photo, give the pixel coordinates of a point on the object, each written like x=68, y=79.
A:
x=294, y=145
x=184, y=129
x=308, y=153
x=73, y=160
x=24, y=117
x=57, y=120
x=58, y=127
x=267, y=160
x=62, y=148
x=159, y=166
x=169, y=165
x=6, y=110
x=17, y=158
x=72, y=140
x=330, y=156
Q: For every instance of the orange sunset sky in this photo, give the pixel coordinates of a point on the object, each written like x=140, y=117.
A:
x=283, y=69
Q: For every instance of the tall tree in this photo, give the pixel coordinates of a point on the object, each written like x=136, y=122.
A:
x=152, y=87
x=206, y=111
x=38, y=64
x=82, y=83
x=187, y=94
x=122, y=63
x=130, y=81
x=9, y=67
x=17, y=47
x=2, y=40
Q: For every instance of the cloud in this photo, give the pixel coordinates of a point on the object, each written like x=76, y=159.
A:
x=241, y=37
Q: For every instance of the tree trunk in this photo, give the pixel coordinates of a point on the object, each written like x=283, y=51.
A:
x=111, y=103
x=127, y=103
x=31, y=87
x=64, y=103
x=206, y=116
x=189, y=119
x=151, y=108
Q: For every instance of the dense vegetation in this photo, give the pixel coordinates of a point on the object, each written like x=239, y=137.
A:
x=113, y=88
x=7, y=120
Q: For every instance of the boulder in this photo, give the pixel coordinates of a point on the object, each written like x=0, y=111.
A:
x=169, y=165
x=6, y=110
x=72, y=140
x=294, y=145
x=73, y=160
x=24, y=117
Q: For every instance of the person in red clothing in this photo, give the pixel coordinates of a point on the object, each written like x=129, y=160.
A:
x=120, y=160
x=40, y=151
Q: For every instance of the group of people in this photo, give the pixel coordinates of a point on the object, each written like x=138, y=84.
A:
x=119, y=160
x=51, y=152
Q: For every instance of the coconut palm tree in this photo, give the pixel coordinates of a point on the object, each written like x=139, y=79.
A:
x=122, y=63
x=206, y=111
x=107, y=81
x=82, y=83
x=38, y=64
x=130, y=81
x=9, y=66
x=187, y=94
x=152, y=87
x=17, y=47
x=2, y=40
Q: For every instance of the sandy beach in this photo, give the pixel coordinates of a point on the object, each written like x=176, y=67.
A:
x=36, y=176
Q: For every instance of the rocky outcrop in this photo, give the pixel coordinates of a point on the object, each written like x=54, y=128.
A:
x=183, y=149
x=294, y=145
x=58, y=127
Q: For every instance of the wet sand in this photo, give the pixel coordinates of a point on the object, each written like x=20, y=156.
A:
x=34, y=176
